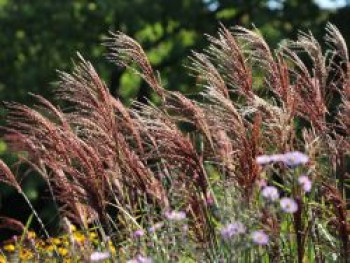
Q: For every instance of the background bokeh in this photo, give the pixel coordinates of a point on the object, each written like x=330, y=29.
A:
x=40, y=37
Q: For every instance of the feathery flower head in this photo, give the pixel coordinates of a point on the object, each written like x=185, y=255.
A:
x=270, y=192
x=232, y=229
x=305, y=183
x=288, y=205
x=259, y=237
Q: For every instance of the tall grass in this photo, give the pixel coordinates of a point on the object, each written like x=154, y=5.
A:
x=262, y=175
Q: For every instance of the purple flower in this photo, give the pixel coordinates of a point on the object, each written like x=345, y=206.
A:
x=99, y=256
x=140, y=259
x=263, y=159
x=139, y=233
x=267, y=159
x=232, y=229
x=288, y=205
x=259, y=237
x=270, y=192
x=294, y=159
x=155, y=227
x=175, y=215
x=291, y=159
x=305, y=183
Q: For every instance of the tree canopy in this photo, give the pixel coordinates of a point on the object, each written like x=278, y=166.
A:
x=39, y=37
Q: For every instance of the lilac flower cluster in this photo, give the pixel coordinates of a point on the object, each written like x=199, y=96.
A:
x=270, y=193
x=288, y=205
x=140, y=259
x=290, y=159
x=175, y=215
x=236, y=228
x=99, y=256
x=232, y=229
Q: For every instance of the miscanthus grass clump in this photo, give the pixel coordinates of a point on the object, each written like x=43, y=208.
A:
x=261, y=175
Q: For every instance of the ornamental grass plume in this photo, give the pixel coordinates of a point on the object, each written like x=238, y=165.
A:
x=101, y=160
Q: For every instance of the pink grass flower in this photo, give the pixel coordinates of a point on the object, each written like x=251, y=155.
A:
x=288, y=205
x=270, y=192
x=260, y=238
x=305, y=183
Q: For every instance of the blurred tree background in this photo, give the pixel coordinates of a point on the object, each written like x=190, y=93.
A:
x=38, y=37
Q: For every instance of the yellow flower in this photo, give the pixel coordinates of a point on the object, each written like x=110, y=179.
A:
x=112, y=248
x=2, y=259
x=79, y=237
x=49, y=248
x=62, y=251
x=73, y=228
x=9, y=247
x=92, y=236
x=31, y=235
x=26, y=254
x=56, y=241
